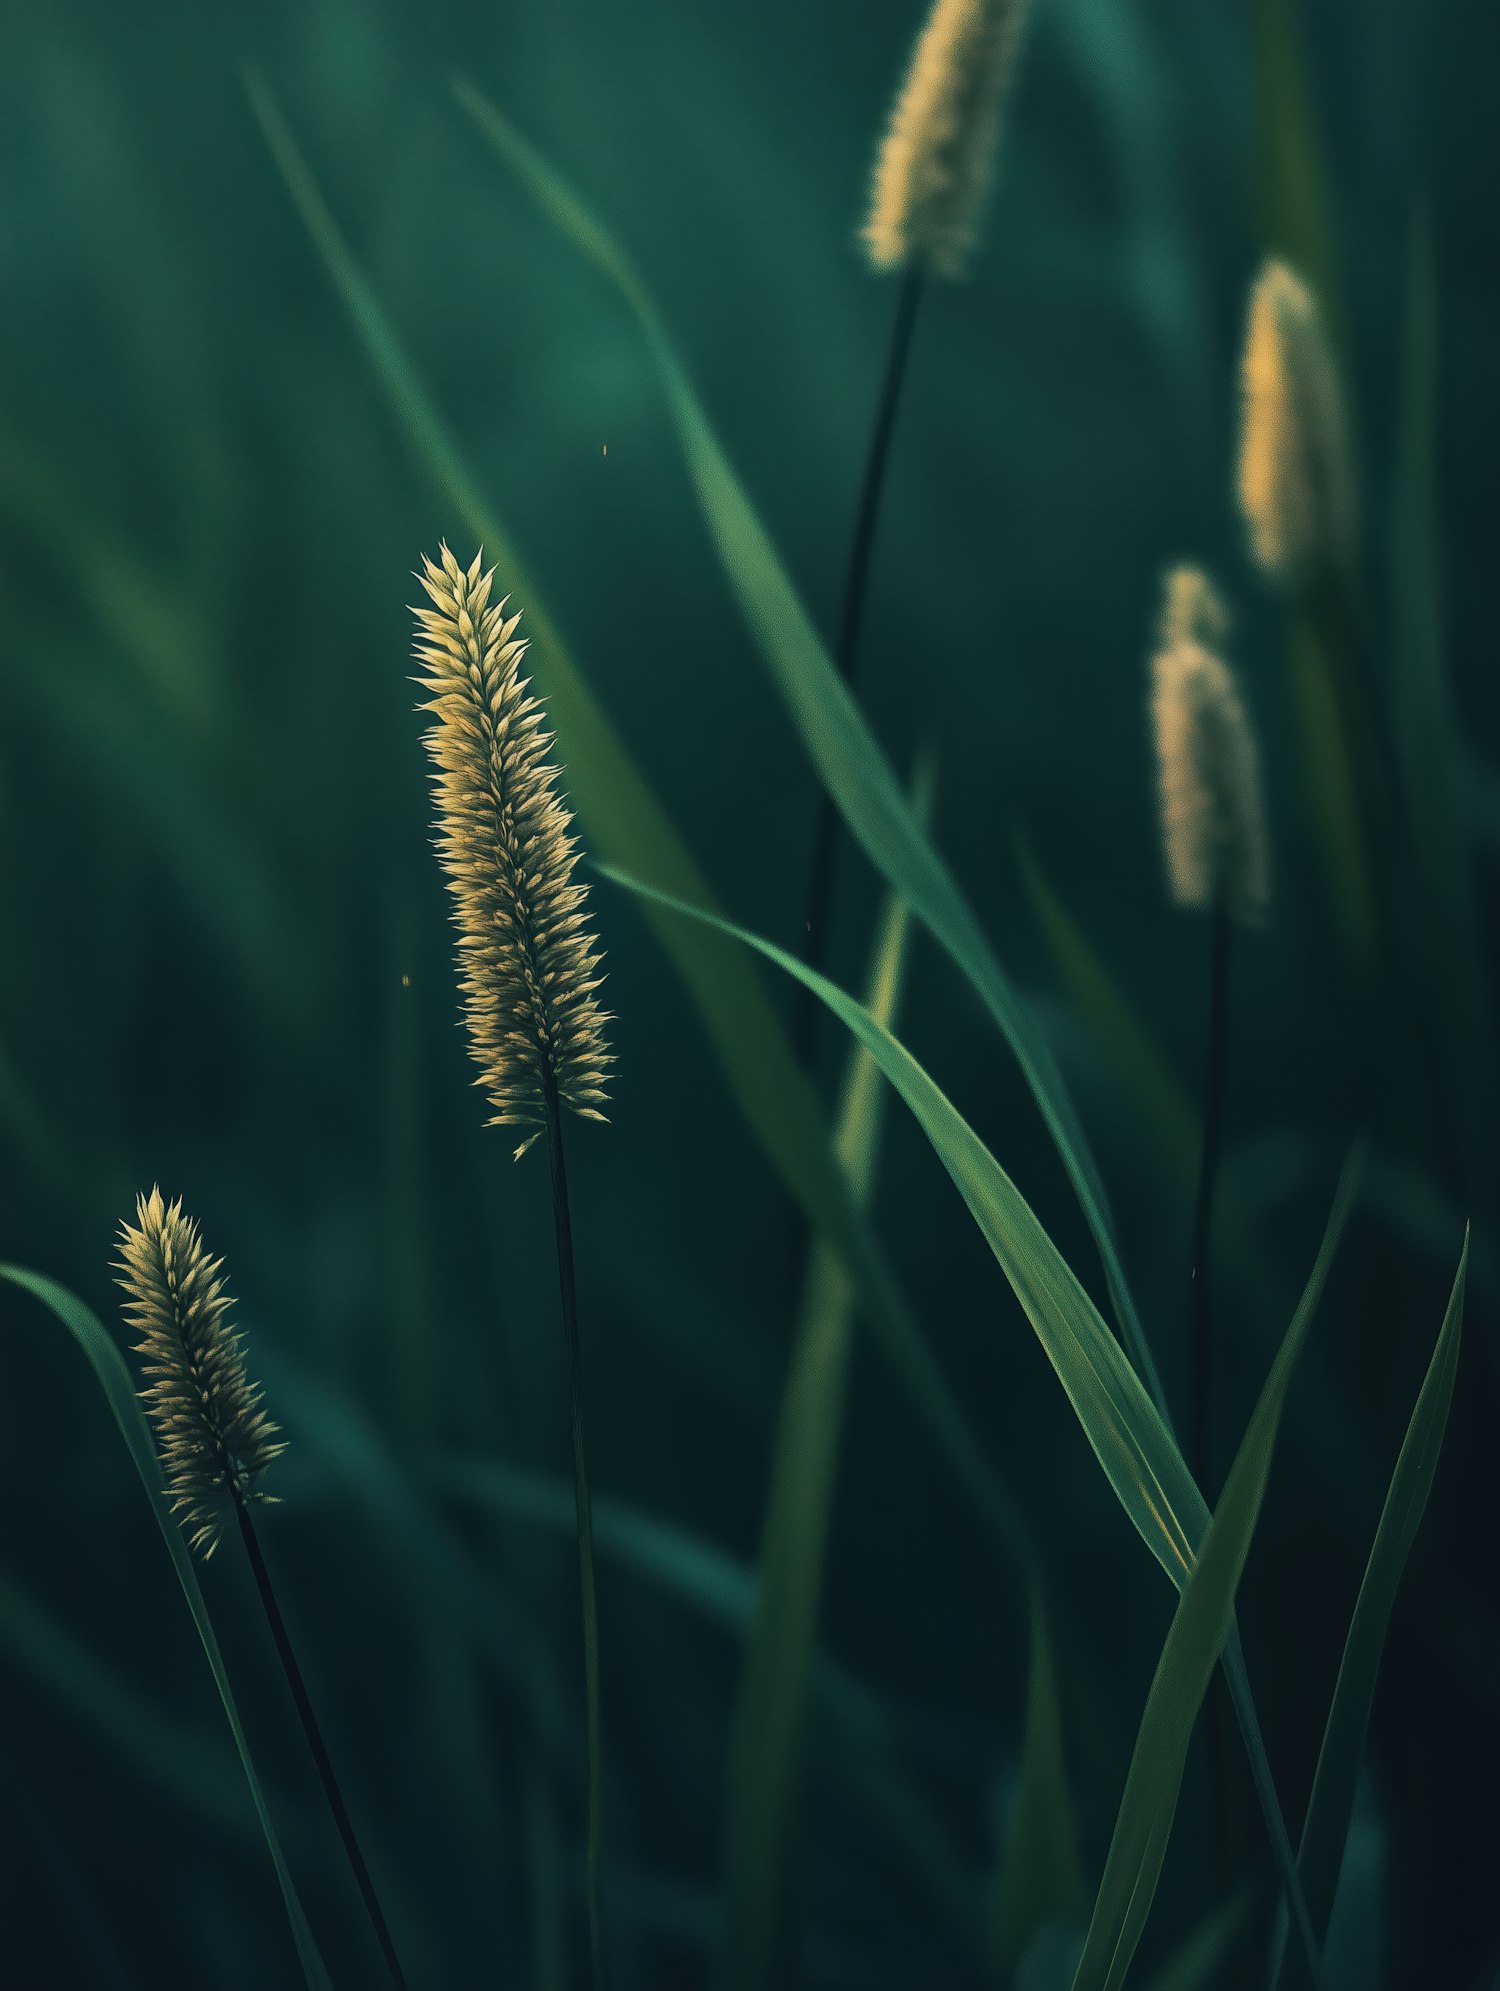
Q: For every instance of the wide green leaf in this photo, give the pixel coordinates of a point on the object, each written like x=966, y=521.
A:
x=1137, y=1451
x=1200, y=1625
x=1331, y=1805
x=834, y=731
x=108, y=1365
x=626, y=823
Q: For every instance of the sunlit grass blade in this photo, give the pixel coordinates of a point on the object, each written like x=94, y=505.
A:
x=1200, y=1626
x=1132, y=1443
x=1331, y=1806
x=627, y=824
x=114, y=1379
x=848, y=758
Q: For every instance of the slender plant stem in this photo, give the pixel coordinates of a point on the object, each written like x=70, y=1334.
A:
x=1220, y=1740
x=846, y=653
x=563, y=1223
x=1203, y=1214
x=315, y=1740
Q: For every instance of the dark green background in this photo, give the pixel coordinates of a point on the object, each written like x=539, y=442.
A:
x=215, y=884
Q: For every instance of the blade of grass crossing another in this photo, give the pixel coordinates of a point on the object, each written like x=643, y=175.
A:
x=1200, y=1626
x=1331, y=1805
x=626, y=823
x=1132, y=1443
x=834, y=731
x=108, y=1365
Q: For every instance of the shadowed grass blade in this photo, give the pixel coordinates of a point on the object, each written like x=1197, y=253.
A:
x=1331, y=1805
x=834, y=731
x=1200, y=1626
x=108, y=1365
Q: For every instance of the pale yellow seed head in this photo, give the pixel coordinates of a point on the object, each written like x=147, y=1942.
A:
x=1296, y=485
x=529, y=968
x=215, y=1440
x=1212, y=812
x=934, y=164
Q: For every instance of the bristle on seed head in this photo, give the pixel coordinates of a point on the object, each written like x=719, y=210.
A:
x=530, y=969
x=1296, y=484
x=934, y=165
x=1212, y=813
x=215, y=1440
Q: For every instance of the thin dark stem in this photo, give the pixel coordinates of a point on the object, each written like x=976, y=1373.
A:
x=846, y=653
x=1203, y=1215
x=563, y=1224
x=1220, y=1739
x=315, y=1740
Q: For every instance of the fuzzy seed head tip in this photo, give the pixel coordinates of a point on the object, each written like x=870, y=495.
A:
x=934, y=164
x=530, y=969
x=214, y=1439
x=1212, y=811
x=1296, y=484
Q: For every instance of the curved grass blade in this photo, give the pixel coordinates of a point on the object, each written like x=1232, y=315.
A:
x=1331, y=1806
x=1137, y=1451
x=1200, y=1625
x=845, y=752
x=626, y=823
x=108, y=1365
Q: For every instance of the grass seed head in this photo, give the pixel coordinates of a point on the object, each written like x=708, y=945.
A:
x=934, y=164
x=215, y=1440
x=529, y=968
x=1296, y=486
x=1212, y=811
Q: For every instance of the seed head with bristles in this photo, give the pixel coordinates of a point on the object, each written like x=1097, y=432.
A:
x=1212, y=813
x=1296, y=484
x=934, y=164
x=214, y=1438
x=530, y=970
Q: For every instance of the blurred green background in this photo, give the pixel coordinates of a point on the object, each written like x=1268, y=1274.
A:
x=224, y=963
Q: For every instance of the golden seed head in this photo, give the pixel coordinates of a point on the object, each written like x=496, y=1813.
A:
x=1296, y=485
x=530, y=969
x=213, y=1436
x=1212, y=813
x=933, y=168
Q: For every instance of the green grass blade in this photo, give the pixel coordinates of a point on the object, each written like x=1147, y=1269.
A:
x=1331, y=1805
x=762, y=1799
x=834, y=731
x=108, y=1365
x=1200, y=1626
x=1137, y=1451
x=625, y=822
x=1200, y=1960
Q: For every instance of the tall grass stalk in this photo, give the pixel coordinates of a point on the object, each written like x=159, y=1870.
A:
x=530, y=971
x=846, y=653
x=215, y=1442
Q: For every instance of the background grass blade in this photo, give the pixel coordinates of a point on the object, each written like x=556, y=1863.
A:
x=108, y=1365
x=1131, y=1441
x=762, y=1793
x=625, y=822
x=1038, y=1879
x=1331, y=1806
x=856, y=1727
x=1199, y=1961
x=1200, y=1626
x=838, y=739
